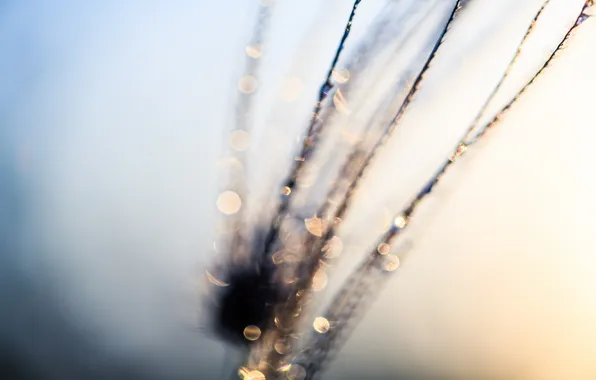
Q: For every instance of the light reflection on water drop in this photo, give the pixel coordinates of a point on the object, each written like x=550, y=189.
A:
x=254, y=51
x=383, y=248
x=391, y=263
x=247, y=84
x=229, y=202
x=315, y=226
x=252, y=332
x=400, y=221
x=321, y=325
x=296, y=372
x=281, y=346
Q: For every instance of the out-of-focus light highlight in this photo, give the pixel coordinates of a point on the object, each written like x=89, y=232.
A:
x=321, y=325
x=252, y=332
x=254, y=51
x=229, y=202
x=383, y=249
x=400, y=221
x=315, y=226
x=296, y=372
x=247, y=84
x=240, y=140
x=391, y=263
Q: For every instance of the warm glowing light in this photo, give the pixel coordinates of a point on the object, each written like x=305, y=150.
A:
x=461, y=149
x=229, y=202
x=321, y=325
x=240, y=140
x=315, y=226
x=281, y=346
x=252, y=332
x=383, y=249
x=247, y=84
x=254, y=51
x=245, y=374
x=400, y=221
x=391, y=263
x=286, y=190
x=296, y=372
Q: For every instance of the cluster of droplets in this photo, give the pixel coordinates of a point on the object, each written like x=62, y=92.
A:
x=305, y=252
x=380, y=258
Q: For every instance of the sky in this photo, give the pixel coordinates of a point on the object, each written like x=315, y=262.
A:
x=112, y=116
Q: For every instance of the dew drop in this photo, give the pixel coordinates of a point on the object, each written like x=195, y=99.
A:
x=239, y=140
x=391, y=263
x=254, y=51
x=296, y=372
x=251, y=375
x=321, y=325
x=400, y=221
x=247, y=84
x=229, y=202
x=281, y=346
x=252, y=332
x=315, y=226
x=461, y=149
x=383, y=249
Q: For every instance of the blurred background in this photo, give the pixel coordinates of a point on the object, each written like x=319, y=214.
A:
x=112, y=118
